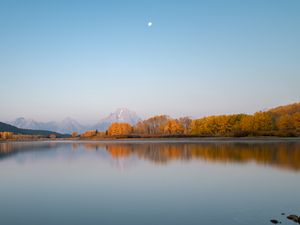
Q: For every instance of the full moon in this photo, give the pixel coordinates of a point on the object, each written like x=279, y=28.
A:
x=149, y=24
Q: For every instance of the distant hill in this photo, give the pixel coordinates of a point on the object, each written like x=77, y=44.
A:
x=286, y=109
x=121, y=115
x=9, y=128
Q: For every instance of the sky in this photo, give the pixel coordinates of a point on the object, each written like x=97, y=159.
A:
x=84, y=59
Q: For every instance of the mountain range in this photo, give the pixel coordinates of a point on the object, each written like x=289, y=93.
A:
x=66, y=126
x=69, y=125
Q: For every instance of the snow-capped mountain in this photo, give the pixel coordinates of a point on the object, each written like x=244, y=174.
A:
x=21, y=122
x=121, y=115
x=66, y=126
x=69, y=125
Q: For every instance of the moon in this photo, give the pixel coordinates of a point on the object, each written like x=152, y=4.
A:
x=149, y=24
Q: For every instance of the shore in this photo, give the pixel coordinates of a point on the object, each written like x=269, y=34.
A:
x=262, y=139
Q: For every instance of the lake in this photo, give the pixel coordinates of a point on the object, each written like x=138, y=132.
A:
x=149, y=182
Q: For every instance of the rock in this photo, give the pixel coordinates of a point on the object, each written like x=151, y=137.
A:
x=274, y=221
x=299, y=219
x=283, y=214
x=293, y=218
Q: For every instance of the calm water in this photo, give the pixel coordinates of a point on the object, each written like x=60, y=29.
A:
x=148, y=183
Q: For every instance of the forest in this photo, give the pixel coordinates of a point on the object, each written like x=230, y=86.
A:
x=281, y=121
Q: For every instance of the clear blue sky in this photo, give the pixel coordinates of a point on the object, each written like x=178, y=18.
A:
x=84, y=59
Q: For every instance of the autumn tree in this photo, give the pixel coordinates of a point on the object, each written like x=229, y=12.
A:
x=285, y=123
x=199, y=127
x=6, y=135
x=141, y=128
x=284, y=110
x=89, y=133
x=246, y=124
x=185, y=122
x=152, y=126
x=209, y=126
x=116, y=129
x=262, y=122
x=296, y=121
x=173, y=127
x=74, y=134
x=231, y=125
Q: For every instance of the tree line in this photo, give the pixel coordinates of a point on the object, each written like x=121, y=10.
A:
x=280, y=121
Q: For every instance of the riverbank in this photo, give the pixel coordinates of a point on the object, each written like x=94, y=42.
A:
x=166, y=139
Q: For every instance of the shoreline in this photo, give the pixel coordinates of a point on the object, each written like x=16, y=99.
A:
x=261, y=139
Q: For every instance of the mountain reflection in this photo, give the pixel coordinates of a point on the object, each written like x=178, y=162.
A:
x=282, y=154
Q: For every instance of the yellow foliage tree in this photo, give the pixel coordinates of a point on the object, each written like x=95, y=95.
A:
x=173, y=127
x=262, y=121
x=116, y=129
x=296, y=121
x=246, y=124
x=6, y=135
x=285, y=123
x=89, y=133
x=217, y=125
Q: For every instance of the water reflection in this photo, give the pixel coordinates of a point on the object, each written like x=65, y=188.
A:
x=284, y=155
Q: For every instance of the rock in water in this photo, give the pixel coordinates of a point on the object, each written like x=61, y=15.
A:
x=274, y=221
x=293, y=218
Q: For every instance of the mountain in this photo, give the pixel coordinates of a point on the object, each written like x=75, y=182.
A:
x=26, y=124
x=9, y=128
x=69, y=125
x=121, y=115
x=66, y=126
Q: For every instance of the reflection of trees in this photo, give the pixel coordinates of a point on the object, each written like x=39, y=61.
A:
x=285, y=155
